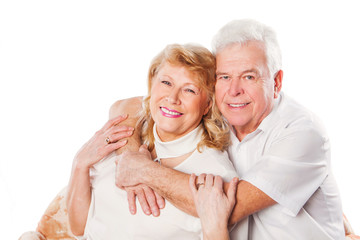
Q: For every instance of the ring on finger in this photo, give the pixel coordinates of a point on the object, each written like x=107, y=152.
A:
x=107, y=140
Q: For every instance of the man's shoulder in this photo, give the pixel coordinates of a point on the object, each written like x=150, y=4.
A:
x=130, y=104
x=293, y=117
x=292, y=112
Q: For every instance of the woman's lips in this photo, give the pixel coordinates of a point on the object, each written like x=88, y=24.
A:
x=170, y=113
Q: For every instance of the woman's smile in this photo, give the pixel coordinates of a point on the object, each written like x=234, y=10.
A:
x=170, y=112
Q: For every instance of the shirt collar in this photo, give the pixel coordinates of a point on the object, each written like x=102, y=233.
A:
x=266, y=123
x=270, y=119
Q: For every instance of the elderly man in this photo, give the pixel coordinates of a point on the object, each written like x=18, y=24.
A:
x=279, y=149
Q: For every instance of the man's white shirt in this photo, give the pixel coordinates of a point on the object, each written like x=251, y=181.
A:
x=288, y=158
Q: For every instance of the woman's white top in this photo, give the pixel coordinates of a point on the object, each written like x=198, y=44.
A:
x=109, y=216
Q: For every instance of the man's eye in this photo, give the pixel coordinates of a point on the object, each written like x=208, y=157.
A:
x=223, y=77
x=249, y=77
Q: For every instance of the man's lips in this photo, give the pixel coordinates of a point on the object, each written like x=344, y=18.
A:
x=238, y=105
x=173, y=113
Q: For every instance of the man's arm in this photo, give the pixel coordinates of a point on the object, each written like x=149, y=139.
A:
x=130, y=107
x=249, y=200
x=169, y=183
x=150, y=201
x=136, y=167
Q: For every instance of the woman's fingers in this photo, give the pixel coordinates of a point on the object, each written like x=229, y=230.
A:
x=231, y=192
x=209, y=180
x=114, y=121
x=192, y=184
x=115, y=137
x=218, y=182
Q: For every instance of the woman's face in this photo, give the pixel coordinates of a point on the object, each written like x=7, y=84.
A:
x=177, y=104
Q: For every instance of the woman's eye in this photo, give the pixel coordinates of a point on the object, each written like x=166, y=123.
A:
x=190, y=91
x=166, y=82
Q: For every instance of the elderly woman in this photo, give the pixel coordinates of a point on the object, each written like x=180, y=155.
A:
x=183, y=130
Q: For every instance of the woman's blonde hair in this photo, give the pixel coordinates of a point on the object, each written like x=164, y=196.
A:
x=201, y=63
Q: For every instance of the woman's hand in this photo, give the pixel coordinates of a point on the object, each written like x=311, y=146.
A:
x=213, y=205
x=108, y=139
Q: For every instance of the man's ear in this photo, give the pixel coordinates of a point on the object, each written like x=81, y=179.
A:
x=278, y=83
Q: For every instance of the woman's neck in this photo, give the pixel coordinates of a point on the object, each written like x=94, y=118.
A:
x=172, y=153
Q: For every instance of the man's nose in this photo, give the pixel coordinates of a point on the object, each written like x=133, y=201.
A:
x=236, y=87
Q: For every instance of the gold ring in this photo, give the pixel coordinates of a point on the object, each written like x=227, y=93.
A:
x=107, y=140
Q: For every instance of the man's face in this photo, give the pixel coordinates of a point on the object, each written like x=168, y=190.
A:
x=244, y=90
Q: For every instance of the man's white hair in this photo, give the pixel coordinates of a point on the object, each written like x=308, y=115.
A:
x=245, y=30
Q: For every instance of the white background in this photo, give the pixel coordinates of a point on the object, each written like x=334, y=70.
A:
x=63, y=63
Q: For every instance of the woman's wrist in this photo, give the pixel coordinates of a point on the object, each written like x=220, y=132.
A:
x=81, y=166
x=216, y=233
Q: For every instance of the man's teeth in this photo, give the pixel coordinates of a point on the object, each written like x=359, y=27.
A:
x=170, y=112
x=237, y=105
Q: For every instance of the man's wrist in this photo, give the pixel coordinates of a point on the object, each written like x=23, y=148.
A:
x=148, y=173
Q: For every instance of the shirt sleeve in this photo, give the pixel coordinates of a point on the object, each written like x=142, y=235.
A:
x=292, y=168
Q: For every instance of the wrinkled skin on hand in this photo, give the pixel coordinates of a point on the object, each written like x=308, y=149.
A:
x=131, y=166
x=213, y=205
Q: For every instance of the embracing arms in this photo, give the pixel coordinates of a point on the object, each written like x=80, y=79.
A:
x=173, y=185
x=136, y=167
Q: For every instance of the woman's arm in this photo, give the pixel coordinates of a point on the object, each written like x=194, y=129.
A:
x=105, y=141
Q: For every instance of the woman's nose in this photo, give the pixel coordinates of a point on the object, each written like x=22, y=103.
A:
x=173, y=96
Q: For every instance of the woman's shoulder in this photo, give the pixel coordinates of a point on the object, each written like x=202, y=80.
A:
x=213, y=161
x=126, y=106
x=214, y=157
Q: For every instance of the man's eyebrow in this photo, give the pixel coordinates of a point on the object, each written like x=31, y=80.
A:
x=221, y=73
x=252, y=70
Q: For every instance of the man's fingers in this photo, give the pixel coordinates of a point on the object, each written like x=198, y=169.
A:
x=160, y=200
x=151, y=200
x=131, y=197
x=143, y=148
x=143, y=202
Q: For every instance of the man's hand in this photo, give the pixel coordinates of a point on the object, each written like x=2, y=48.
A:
x=131, y=166
x=150, y=201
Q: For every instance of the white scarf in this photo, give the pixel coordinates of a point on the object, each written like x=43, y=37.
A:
x=178, y=147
